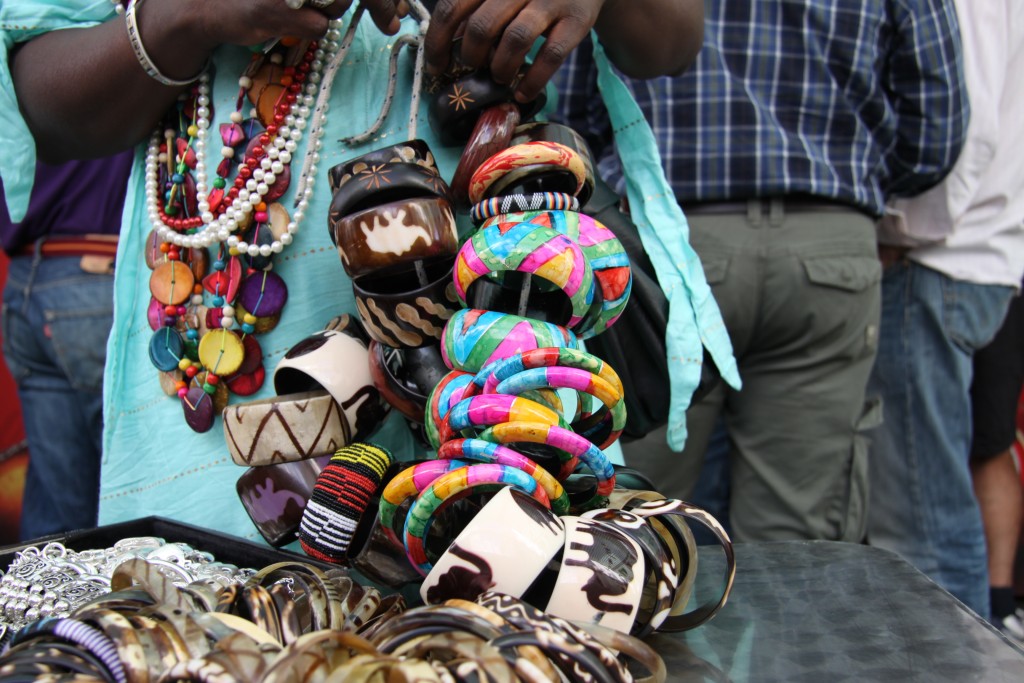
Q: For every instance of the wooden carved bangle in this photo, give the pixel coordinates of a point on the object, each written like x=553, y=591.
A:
x=662, y=573
x=483, y=476
x=396, y=233
x=474, y=338
x=528, y=249
x=535, y=131
x=406, y=377
x=286, y=428
x=538, y=154
x=491, y=134
x=383, y=184
x=274, y=496
x=336, y=360
x=595, y=549
x=678, y=508
x=455, y=106
x=401, y=311
x=607, y=257
x=409, y=152
x=504, y=547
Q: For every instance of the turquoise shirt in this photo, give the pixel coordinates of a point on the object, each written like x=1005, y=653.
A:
x=153, y=464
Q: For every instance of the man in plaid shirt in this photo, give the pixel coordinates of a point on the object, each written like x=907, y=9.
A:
x=784, y=141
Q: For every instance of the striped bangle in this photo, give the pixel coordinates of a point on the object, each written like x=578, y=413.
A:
x=515, y=203
x=90, y=639
x=340, y=498
x=135, y=38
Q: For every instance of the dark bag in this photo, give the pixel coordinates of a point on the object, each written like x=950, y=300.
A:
x=635, y=345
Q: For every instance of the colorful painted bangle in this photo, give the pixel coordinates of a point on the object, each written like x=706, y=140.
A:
x=528, y=249
x=607, y=257
x=448, y=391
x=286, y=428
x=399, y=311
x=662, y=574
x=274, y=497
x=458, y=481
x=489, y=377
x=517, y=203
x=678, y=508
x=479, y=412
x=407, y=484
x=409, y=152
x=601, y=427
x=563, y=135
x=474, y=338
x=336, y=360
x=383, y=184
x=491, y=134
x=504, y=547
x=405, y=377
x=534, y=178
x=340, y=498
x=478, y=450
x=564, y=440
x=539, y=153
x=396, y=233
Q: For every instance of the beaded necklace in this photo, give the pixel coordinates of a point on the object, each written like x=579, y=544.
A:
x=194, y=344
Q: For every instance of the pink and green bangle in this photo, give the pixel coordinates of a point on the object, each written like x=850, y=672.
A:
x=528, y=156
x=407, y=484
x=490, y=376
x=564, y=440
x=457, y=482
x=533, y=249
x=486, y=410
x=484, y=451
x=604, y=251
x=601, y=427
x=473, y=338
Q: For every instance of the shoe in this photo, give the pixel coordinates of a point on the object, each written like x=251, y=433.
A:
x=1013, y=625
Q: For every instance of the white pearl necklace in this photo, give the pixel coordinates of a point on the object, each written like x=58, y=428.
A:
x=279, y=152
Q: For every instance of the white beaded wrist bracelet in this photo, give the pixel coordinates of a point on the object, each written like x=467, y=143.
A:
x=135, y=38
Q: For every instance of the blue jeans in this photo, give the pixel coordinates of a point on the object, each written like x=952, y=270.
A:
x=922, y=504
x=56, y=319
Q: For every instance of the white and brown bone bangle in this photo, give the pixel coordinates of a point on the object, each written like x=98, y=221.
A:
x=285, y=429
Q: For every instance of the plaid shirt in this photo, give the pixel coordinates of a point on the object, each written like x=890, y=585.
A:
x=854, y=101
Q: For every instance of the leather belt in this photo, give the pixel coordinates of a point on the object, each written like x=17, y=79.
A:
x=74, y=245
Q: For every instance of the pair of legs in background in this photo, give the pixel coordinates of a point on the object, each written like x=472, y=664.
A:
x=56, y=319
x=798, y=286
x=995, y=402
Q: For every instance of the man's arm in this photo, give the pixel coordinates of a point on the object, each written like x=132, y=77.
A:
x=925, y=75
x=644, y=38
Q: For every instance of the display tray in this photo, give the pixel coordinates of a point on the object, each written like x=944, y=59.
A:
x=223, y=547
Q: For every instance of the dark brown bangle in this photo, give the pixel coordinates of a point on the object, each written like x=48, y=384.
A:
x=405, y=377
x=398, y=311
x=492, y=133
x=384, y=183
x=275, y=497
x=409, y=152
x=395, y=234
x=535, y=131
x=457, y=104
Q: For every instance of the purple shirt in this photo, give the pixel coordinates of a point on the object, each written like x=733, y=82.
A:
x=74, y=198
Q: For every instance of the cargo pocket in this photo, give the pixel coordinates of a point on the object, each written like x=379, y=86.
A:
x=848, y=513
x=715, y=269
x=849, y=273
